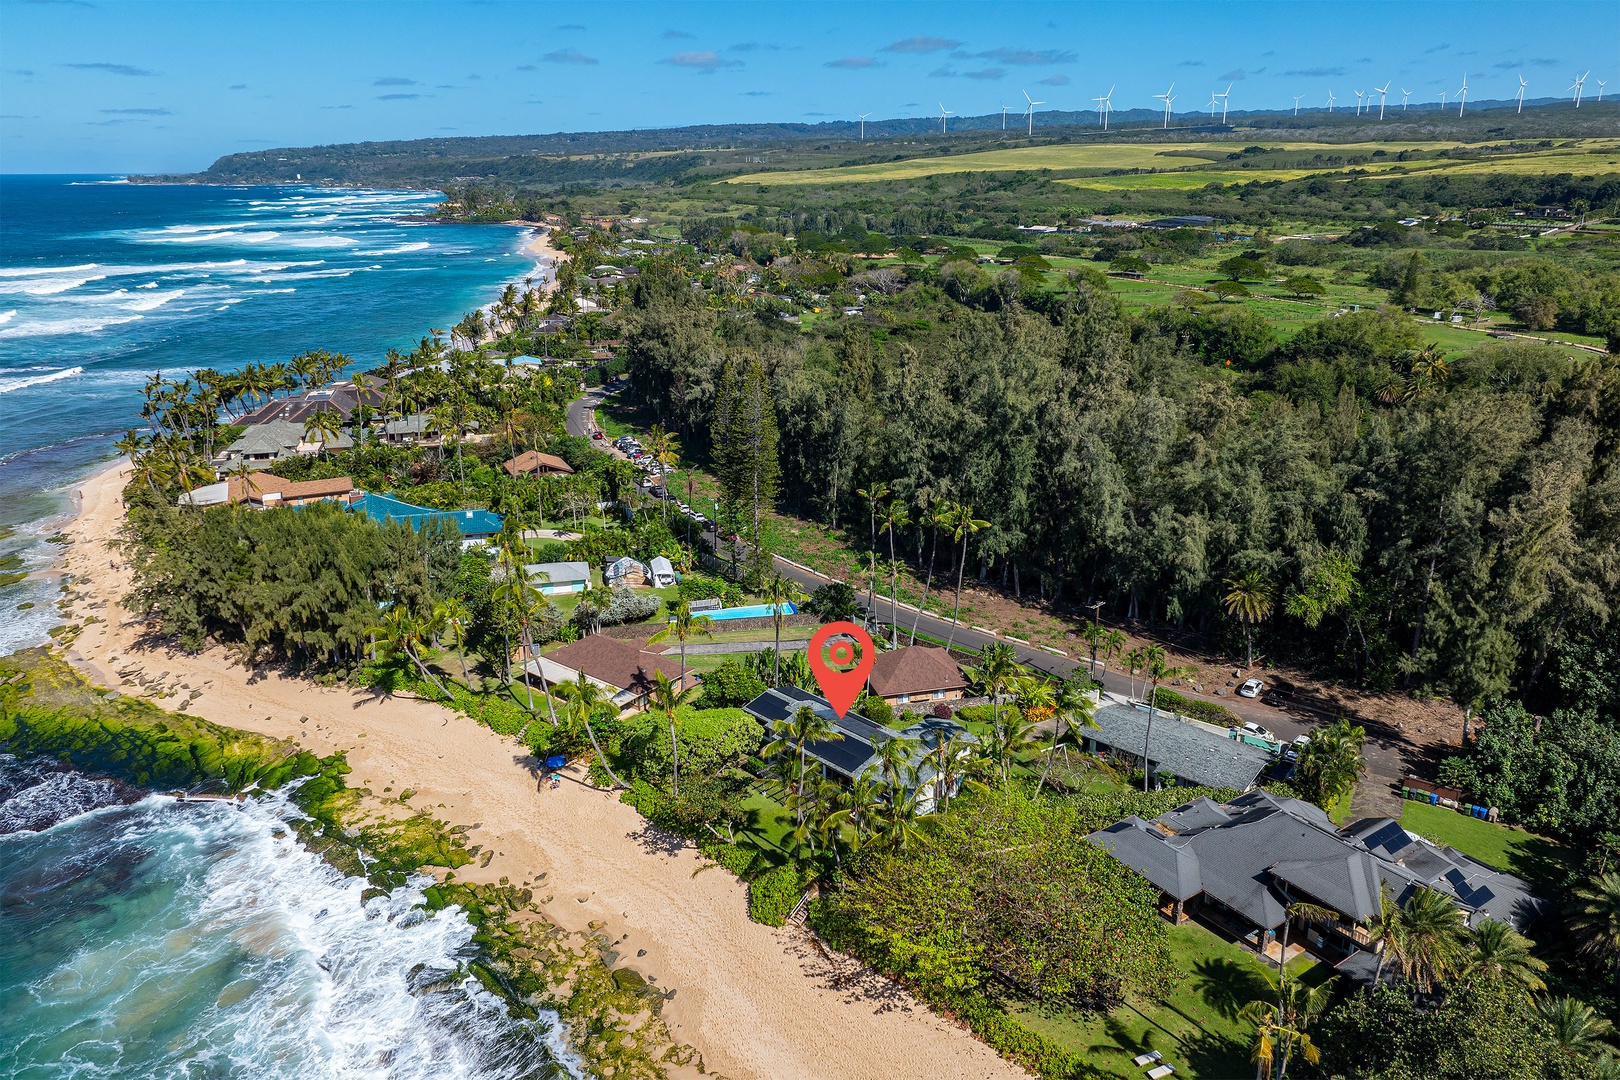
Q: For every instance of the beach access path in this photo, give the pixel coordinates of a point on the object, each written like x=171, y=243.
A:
x=755, y=1001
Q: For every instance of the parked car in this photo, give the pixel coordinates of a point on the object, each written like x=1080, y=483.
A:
x=597, y=435
x=1259, y=732
x=1251, y=688
x=1291, y=751
x=1278, y=694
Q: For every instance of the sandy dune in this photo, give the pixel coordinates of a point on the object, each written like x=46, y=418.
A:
x=756, y=1002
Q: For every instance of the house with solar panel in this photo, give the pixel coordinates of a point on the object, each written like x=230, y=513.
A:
x=1240, y=865
x=854, y=756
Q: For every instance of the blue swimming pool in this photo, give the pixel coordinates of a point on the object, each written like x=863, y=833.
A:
x=752, y=611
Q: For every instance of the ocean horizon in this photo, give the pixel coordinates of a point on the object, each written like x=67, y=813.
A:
x=104, y=283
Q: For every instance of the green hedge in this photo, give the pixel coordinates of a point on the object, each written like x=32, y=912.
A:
x=1207, y=711
x=773, y=894
x=1015, y=1042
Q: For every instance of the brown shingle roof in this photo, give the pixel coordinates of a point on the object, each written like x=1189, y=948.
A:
x=617, y=663
x=317, y=489
x=916, y=669
x=261, y=484
x=529, y=460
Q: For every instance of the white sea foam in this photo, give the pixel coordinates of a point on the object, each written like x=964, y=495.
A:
x=60, y=327
x=8, y=385
x=7, y=316
x=402, y=249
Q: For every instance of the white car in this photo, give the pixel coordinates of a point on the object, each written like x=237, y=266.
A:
x=1251, y=688
x=1258, y=732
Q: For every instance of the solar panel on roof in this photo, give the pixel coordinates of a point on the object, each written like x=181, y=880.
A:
x=1383, y=836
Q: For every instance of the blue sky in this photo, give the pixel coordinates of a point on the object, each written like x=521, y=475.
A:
x=133, y=86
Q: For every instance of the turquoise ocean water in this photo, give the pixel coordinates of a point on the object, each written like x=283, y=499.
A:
x=103, y=283
x=142, y=937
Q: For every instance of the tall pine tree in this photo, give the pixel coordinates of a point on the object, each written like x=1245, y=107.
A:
x=745, y=438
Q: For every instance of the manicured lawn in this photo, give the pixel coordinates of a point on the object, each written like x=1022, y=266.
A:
x=1195, y=1025
x=1532, y=857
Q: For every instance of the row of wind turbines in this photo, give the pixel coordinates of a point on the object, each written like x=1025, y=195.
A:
x=1105, y=102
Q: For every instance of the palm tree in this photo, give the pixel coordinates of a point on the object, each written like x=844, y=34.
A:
x=1249, y=600
x=998, y=666
x=1577, y=1029
x=681, y=626
x=326, y=425
x=1134, y=659
x=1113, y=641
x=963, y=525
x=524, y=601
x=1158, y=669
x=452, y=614
x=805, y=726
x=404, y=635
x=1433, y=938
x=1281, y=1026
x=937, y=517
x=667, y=697
x=1385, y=928
x=778, y=590
x=1331, y=762
x=583, y=697
x=873, y=495
x=894, y=518
x=893, y=759
x=1500, y=952
x=1596, y=920
x=1093, y=635
x=1073, y=705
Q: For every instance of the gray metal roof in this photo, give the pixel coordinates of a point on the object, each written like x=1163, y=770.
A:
x=1171, y=866
x=1189, y=751
x=1258, y=853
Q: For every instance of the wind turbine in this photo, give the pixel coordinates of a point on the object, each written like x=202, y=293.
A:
x=1330, y=101
x=1359, y=95
x=1522, y=85
x=943, y=113
x=1105, y=105
x=1462, y=95
x=1405, y=96
x=864, y=115
x=1601, y=85
x=1444, y=94
x=1579, y=86
x=1383, y=92
x=1032, y=105
x=1296, y=103
x=1166, y=96
x=1224, y=99
x=1003, y=116
x=1212, y=96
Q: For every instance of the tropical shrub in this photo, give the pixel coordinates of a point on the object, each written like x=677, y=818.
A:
x=730, y=685
x=773, y=895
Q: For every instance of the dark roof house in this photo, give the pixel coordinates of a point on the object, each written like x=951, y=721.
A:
x=1196, y=754
x=855, y=754
x=624, y=668
x=1245, y=861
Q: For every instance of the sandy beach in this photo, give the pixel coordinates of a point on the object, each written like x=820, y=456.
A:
x=756, y=1001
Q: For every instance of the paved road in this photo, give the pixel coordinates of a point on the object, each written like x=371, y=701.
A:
x=577, y=421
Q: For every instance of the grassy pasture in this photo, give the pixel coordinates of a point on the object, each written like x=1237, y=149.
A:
x=1580, y=156
x=1098, y=155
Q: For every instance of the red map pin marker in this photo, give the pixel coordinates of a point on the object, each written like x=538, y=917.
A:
x=841, y=679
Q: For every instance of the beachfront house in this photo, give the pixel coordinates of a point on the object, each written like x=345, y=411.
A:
x=622, y=668
x=624, y=571
x=534, y=463
x=341, y=398
x=559, y=578
x=262, y=444
x=266, y=490
x=661, y=573
x=855, y=754
x=477, y=527
x=915, y=675
x=1240, y=865
x=1192, y=753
